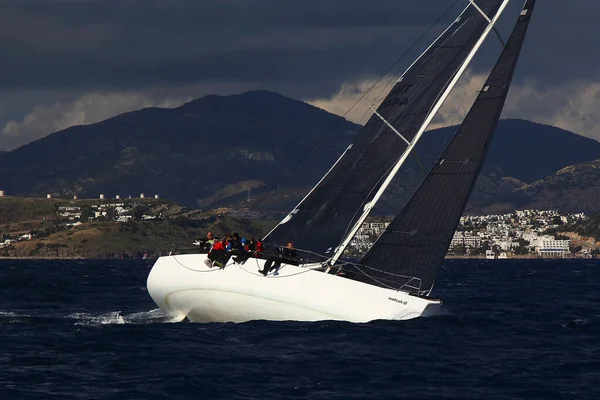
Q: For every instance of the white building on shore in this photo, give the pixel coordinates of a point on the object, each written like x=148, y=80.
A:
x=549, y=246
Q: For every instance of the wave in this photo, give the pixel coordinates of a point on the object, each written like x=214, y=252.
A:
x=7, y=314
x=9, y=317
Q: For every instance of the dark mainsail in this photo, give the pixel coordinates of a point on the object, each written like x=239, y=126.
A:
x=322, y=220
x=415, y=243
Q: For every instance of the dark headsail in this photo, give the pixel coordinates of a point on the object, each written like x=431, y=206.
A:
x=415, y=243
x=323, y=218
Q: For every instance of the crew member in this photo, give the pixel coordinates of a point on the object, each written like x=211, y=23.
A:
x=286, y=255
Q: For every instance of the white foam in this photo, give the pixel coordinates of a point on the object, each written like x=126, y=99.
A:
x=406, y=314
x=156, y=316
x=9, y=317
x=110, y=318
x=7, y=314
x=153, y=316
x=116, y=318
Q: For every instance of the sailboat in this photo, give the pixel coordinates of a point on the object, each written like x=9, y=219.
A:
x=395, y=278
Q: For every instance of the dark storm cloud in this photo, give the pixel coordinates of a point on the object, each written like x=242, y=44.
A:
x=128, y=44
x=90, y=44
x=67, y=62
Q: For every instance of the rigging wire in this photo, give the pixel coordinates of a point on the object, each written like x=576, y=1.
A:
x=342, y=117
x=305, y=270
x=416, y=155
x=470, y=80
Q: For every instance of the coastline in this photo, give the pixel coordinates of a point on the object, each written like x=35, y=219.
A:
x=529, y=257
x=524, y=257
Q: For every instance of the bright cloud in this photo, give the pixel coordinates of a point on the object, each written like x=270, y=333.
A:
x=367, y=93
x=87, y=109
x=572, y=106
x=353, y=100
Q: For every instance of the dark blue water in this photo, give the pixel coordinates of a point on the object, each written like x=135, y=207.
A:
x=509, y=330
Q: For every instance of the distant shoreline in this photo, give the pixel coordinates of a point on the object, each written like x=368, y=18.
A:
x=153, y=259
x=53, y=258
x=530, y=257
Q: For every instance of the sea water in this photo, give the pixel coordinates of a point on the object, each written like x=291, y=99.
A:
x=509, y=329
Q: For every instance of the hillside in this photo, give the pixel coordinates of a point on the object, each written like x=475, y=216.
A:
x=521, y=153
x=34, y=228
x=573, y=188
x=218, y=151
x=187, y=153
x=127, y=240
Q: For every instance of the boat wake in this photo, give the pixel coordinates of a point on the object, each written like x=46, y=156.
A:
x=155, y=316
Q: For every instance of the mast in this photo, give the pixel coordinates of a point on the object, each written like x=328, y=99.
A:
x=370, y=205
x=410, y=251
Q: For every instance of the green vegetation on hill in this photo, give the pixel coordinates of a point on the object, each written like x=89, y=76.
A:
x=18, y=209
x=590, y=228
x=128, y=239
x=55, y=236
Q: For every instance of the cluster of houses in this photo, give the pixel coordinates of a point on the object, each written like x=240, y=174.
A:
x=495, y=236
x=366, y=235
x=521, y=232
x=119, y=212
x=73, y=215
x=500, y=246
x=9, y=241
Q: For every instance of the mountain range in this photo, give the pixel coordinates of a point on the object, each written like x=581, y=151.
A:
x=220, y=150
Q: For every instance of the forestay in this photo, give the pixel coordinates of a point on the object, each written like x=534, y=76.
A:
x=415, y=243
x=323, y=218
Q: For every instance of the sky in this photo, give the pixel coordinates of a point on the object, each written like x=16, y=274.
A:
x=72, y=62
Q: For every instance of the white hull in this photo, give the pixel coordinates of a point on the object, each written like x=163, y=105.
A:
x=185, y=285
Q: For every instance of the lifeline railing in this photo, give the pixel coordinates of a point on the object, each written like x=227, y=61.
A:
x=350, y=269
x=343, y=268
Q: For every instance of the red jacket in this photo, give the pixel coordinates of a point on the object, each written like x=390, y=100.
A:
x=218, y=246
x=259, y=249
